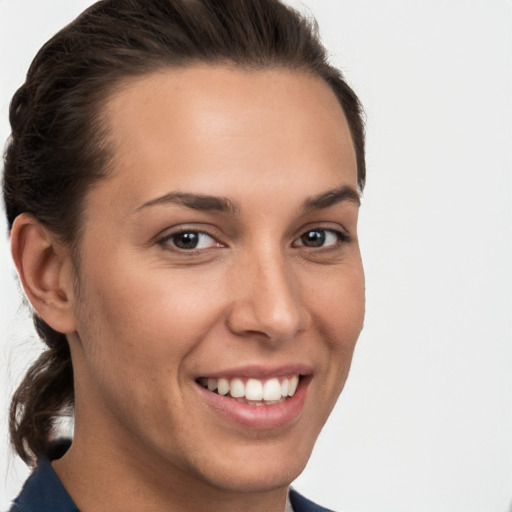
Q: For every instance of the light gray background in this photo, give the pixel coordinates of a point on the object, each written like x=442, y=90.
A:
x=425, y=421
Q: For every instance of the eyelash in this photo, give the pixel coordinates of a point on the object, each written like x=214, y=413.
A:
x=170, y=239
x=341, y=237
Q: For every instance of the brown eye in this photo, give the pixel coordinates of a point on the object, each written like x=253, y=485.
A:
x=314, y=238
x=321, y=238
x=190, y=240
x=186, y=240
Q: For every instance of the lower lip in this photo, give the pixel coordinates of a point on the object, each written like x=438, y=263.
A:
x=261, y=417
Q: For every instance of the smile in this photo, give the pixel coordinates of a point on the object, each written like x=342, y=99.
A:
x=257, y=397
x=253, y=391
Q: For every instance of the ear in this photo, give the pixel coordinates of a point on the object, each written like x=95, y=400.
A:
x=45, y=268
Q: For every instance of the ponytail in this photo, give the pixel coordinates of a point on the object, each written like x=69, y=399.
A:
x=43, y=395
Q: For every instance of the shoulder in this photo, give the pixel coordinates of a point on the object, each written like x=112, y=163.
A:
x=43, y=492
x=301, y=504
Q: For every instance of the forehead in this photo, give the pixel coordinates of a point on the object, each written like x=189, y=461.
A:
x=201, y=124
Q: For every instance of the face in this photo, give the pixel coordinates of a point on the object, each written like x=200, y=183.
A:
x=220, y=285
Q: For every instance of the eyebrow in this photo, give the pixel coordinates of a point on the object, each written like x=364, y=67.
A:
x=330, y=198
x=196, y=202
x=220, y=204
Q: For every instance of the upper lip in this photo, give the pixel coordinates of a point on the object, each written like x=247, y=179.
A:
x=260, y=371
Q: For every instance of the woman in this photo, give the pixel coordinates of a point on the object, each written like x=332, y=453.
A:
x=182, y=188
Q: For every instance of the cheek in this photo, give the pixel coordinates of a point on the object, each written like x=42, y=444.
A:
x=144, y=319
x=139, y=332
x=338, y=303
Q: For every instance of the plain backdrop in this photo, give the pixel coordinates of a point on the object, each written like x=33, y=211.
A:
x=425, y=421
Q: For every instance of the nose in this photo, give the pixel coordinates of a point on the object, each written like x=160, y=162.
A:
x=267, y=300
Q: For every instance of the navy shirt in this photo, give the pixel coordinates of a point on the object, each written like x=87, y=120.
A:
x=43, y=491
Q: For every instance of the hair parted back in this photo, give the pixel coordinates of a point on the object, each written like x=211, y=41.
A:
x=59, y=142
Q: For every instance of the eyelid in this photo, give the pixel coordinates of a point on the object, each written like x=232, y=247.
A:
x=166, y=235
x=328, y=244
x=342, y=234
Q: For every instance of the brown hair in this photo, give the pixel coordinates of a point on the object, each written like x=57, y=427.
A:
x=58, y=148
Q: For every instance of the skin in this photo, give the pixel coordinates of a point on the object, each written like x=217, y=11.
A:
x=144, y=319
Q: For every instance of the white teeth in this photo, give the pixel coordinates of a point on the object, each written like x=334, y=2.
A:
x=223, y=386
x=272, y=390
x=284, y=387
x=254, y=390
x=237, y=388
x=294, y=381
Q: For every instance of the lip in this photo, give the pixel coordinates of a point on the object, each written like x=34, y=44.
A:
x=260, y=372
x=264, y=417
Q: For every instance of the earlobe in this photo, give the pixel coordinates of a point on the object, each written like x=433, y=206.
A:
x=44, y=266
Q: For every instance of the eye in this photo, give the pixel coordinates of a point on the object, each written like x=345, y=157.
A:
x=321, y=238
x=190, y=240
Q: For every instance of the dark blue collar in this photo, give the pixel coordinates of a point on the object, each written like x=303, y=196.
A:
x=43, y=492
x=301, y=504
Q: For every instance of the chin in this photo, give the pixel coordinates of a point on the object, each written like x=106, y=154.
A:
x=258, y=468
x=259, y=478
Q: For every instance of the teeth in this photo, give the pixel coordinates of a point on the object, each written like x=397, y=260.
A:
x=223, y=386
x=254, y=390
x=237, y=388
x=272, y=390
x=294, y=381
x=284, y=387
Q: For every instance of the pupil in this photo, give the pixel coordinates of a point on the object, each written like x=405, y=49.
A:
x=313, y=238
x=186, y=240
